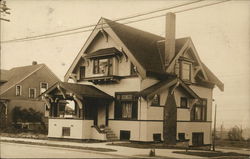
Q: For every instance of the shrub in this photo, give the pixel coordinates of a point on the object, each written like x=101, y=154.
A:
x=235, y=134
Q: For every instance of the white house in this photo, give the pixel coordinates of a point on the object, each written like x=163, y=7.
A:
x=136, y=86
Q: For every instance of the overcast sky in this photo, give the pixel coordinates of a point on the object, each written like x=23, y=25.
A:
x=220, y=33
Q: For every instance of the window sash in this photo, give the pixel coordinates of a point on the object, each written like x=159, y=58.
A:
x=186, y=68
x=43, y=87
x=18, y=90
x=32, y=93
x=199, y=111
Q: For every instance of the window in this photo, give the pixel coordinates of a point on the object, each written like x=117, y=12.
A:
x=132, y=69
x=32, y=93
x=124, y=135
x=65, y=131
x=82, y=72
x=186, y=70
x=126, y=106
x=181, y=136
x=199, y=111
x=103, y=66
x=197, y=138
x=157, y=137
x=18, y=90
x=67, y=108
x=43, y=87
x=156, y=100
x=184, y=102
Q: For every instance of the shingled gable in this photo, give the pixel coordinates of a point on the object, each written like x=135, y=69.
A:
x=18, y=74
x=144, y=49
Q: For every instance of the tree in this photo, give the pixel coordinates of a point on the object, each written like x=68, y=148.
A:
x=235, y=134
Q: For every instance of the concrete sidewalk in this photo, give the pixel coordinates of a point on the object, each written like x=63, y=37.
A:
x=121, y=151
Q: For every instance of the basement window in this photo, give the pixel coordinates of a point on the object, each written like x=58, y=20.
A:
x=157, y=137
x=181, y=136
x=65, y=131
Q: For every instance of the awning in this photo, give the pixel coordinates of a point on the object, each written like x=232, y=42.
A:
x=104, y=52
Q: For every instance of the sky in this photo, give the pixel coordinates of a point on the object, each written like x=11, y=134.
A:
x=221, y=35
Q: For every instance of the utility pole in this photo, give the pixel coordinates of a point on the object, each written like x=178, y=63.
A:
x=214, y=127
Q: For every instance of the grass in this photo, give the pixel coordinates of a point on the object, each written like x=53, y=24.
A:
x=214, y=154
x=63, y=146
x=234, y=144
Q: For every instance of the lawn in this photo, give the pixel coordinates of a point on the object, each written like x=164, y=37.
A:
x=214, y=154
x=237, y=144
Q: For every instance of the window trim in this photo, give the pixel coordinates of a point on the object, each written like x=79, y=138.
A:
x=118, y=106
x=159, y=100
x=34, y=93
x=41, y=86
x=203, y=111
x=186, y=102
x=20, y=90
x=190, y=70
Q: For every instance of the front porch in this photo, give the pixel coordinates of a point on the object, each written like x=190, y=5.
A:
x=77, y=111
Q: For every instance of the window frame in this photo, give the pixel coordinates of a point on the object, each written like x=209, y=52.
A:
x=203, y=112
x=66, y=131
x=34, y=93
x=186, y=101
x=158, y=98
x=41, y=83
x=96, y=67
x=182, y=71
x=119, y=107
x=81, y=74
x=20, y=93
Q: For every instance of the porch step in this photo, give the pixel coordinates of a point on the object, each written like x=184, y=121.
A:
x=110, y=135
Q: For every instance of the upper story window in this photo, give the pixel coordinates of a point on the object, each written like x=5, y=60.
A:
x=126, y=106
x=103, y=66
x=82, y=72
x=43, y=87
x=199, y=111
x=186, y=68
x=156, y=100
x=132, y=69
x=18, y=90
x=184, y=102
x=32, y=93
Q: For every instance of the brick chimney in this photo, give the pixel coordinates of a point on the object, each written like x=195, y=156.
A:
x=34, y=62
x=169, y=38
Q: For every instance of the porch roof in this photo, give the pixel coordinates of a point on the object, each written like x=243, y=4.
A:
x=80, y=90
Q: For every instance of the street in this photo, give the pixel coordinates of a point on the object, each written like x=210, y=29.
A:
x=14, y=150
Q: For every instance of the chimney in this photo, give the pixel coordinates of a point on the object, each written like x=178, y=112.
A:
x=34, y=62
x=169, y=38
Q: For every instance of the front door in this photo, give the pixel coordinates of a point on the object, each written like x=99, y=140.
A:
x=197, y=139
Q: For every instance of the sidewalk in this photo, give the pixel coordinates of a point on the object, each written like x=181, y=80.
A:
x=121, y=151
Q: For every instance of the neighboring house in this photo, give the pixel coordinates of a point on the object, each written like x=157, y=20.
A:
x=139, y=86
x=21, y=85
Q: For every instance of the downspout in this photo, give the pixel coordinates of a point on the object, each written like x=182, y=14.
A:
x=140, y=122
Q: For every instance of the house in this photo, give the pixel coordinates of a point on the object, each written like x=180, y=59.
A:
x=129, y=84
x=20, y=86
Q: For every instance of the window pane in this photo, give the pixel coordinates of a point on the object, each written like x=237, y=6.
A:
x=82, y=72
x=198, y=113
x=18, y=90
x=103, y=66
x=183, y=102
x=32, y=93
x=126, y=109
x=186, y=72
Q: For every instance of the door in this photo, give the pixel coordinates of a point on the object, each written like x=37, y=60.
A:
x=197, y=139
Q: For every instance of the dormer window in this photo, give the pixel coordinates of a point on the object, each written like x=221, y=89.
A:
x=185, y=71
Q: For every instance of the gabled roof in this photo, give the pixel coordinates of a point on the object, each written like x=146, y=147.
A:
x=145, y=50
x=18, y=74
x=81, y=90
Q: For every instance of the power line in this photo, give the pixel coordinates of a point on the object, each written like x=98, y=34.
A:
x=44, y=36
x=119, y=19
